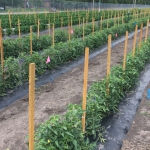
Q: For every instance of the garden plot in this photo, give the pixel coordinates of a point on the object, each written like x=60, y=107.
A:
x=53, y=98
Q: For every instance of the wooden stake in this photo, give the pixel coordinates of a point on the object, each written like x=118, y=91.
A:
x=85, y=87
x=118, y=18
x=134, y=44
x=31, y=104
x=54, y=17
x=53, y=35
x=38, y=28
x=93, y=25
x=141, y=32
x=9, y=19
x=83, y=28
x=71, y=22
x=35, y=17
x=49, y=27
x=122, y=19
x=125, y=51
x=69, y=30
x=146, y=30
x=2, y=52
x=19, y=28
x=0, y=23
x=79, y=21
x=107, y=23
x=101, y=23
x=108, y=62
x=31, y=40
x=61, y=23
x=115, y=20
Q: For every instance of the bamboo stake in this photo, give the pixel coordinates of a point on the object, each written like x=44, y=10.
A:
x=125, y=51
x=146, y=30
x=53, y=35
x=19, y=28
x=141, y=32
x=108, y=62
x=69, y=30
x=38, y=28
x=31, y=104
x=85, y=87
x=30, y=40
x=134, y=44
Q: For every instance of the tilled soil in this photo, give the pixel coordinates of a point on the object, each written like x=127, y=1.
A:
x=138, y=137
x=53, y=98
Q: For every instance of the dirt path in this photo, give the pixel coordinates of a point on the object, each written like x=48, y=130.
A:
x=138, y=137
x=53, y=98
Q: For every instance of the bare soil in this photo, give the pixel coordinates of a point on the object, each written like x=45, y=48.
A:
x=53, y=98
x=138, y=137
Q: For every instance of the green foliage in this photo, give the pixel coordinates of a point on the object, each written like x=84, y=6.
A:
x=27, y=20
x=65, y=133
x=59, y=54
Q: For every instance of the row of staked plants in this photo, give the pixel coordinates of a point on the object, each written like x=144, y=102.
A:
x=14, y=47
x=65, y=132
x=16, y=69
x=31, y=20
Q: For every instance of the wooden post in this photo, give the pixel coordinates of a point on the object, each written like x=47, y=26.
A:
x=19, y=28
x=38, y=28
x=85, y=87
x=31, y=40
x=0, y=23
x=9, y=19
x=141, y=32
x=53, y=35
x=101, y=23
x=108, y=62
x=134, y=44
x=146, y=30
x=125, y=51
x=49, y=27
x=83, y=28
x=31, y=104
